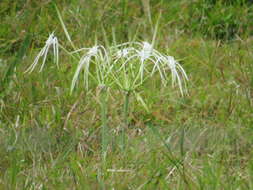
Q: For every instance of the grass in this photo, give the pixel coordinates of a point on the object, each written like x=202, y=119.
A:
x=50, y=139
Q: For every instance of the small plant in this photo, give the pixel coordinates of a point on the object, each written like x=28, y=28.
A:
x=125, y=66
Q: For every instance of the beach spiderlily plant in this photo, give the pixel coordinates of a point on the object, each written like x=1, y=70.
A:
x=124, y=66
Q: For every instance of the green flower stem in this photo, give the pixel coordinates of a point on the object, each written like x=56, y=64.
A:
x=125, y=118
x=105, y=132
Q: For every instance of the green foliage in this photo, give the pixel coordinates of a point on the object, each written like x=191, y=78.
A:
x=18, y=59
x=220, y=19
x=51, y=140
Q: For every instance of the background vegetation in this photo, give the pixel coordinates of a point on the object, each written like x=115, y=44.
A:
x=50, y=139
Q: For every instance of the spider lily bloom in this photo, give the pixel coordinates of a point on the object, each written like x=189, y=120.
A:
x=177, y=72
x=51, y=41
x=122, y=53
x=143, y=51
x=150, y=61
x=146, y=51
x=146, y=55
x=102, y=66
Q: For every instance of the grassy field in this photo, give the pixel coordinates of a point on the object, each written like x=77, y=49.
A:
x=51, y=138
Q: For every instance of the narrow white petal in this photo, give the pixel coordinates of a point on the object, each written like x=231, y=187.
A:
x=44, y=58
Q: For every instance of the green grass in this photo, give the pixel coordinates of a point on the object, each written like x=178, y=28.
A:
x=51, y=139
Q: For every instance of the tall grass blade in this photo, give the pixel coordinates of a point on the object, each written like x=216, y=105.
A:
x=105, y=131
x=156, y=29
x=18, y=59
x=176, y=162
x=140, y=99
x=182, y=138
x=170, y=155
x=65, y=28
x=126, y=123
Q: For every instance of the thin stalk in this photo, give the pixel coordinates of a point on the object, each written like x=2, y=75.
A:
x=4, y=82
x=105, y=132
x=125, y=118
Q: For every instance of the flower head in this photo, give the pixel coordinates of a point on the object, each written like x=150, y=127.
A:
x=177, y=72
x=146, y=51
x=51, y=41
x=139, y=61
x=99, y=57
x=122, y=53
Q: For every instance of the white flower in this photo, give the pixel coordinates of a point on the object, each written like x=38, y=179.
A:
x=139, y=61
x=122, y=53
x=146, y=51
x=101, y=62
x=93, y=51
x=51, y=41
x=177, y=72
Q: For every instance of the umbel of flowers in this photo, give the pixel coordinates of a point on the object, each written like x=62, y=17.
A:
x=124, y=66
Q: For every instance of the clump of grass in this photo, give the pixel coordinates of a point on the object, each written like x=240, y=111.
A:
x=222, y=20
x=10, y=71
